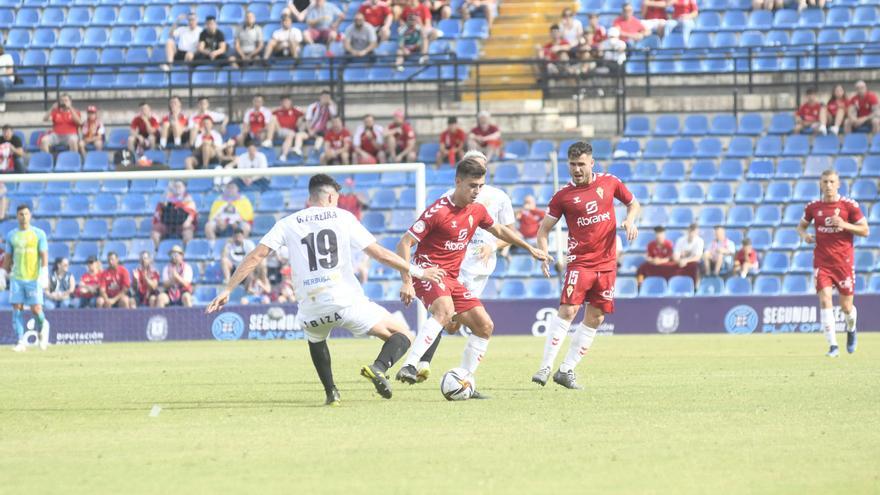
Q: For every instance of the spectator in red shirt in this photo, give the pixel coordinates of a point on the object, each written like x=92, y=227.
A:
x=745, y=262
x=654, y=16
x=555, y=52
x=485, y=137
x=368, y=142
x=256, y=122
x=684, y=15
x=595, y=32
x=659, y=252
x=811, y=116
x=92, y=132
x=208, y=148
x=219, y=119
x=337, y=144
x=66, y=121
x=287, y=122
x=177, y=279
x=378, y=14
x=146, y=282
x=837, y=108
x=530, y=218
x=175, y=125
x=452, y=142
x=90, y=284
x=115, y=283
x=422, y=10
x=631, y=29
x=864, y=110
x=175, y=215
x=400, y=140
x=144, y=130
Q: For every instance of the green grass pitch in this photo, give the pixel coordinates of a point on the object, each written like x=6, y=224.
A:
x=678, y=414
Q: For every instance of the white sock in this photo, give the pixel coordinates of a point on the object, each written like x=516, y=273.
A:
x=163, y=142
x=177, y=141
x=851, y=319
x=473, y=353
x=829, y=326
x=580, y=343
x=423, y=341
x=555, y=336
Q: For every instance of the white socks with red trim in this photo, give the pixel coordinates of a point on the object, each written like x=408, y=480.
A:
x=580, y=343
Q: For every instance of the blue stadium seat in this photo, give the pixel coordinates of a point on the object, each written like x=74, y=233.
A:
x=68, y=161
x=719, y=193
x=739, y=147
x=155, y=15
x=637, y=127
x=40, y=162
x=517, y=196
x=83, y=250
x=854, y=36
x=695, y=125
x=740, y=216
x=864, y=190
x=825, y=145
x=734, y=20
x=123, y=228
x=683, y=148
x=135, y=204
x=534, y=172
x=540, y=289
x=94, y=229
x=761, y=238
x=465, y=49
x=775, y=262
x=704, y=170
x=723, y=125
x=760, y=169
x=708, y=21
x=666, y=125
x=105, y=204
x=626, y=149
x=47, y=206
x=854, y=144
x=781, y=123
x=66, y=229
x=710, y=286
x=104, y=15
x=802, y=262
x=838, y=17
x=541, y=150
x=681, y=217
x=786, y=239
x=621, y=170
x=750, y=124
x=601, y=149
x=769, y=146
x=680, y=286
x=778, y=192
x=672, y=171
x=792, y=214
x=767, y=285
x=796, y=285
x=846, y=166
x=653, y=287
x=709, y=147
x=654, y=215
x=625, y=288
x=645, y=172
x=640, y=191
x=749, y=192
x=450, y=28
x=864, y=261
x=737, y=286
x=865, y=15
x=517, y=148
x=789, y=168
x=512, y=289
x=27, y=17
x=118, y=247
x=475, y=28
x=796, y=145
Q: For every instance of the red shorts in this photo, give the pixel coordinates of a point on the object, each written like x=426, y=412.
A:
x=595, y=288
x=462, y=299
x=840, y=277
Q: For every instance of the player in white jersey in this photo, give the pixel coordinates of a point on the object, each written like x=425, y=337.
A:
x=320, y=241
x=482, y=253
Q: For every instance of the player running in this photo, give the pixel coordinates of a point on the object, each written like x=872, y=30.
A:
x=481, y=258
x=587, y=203
x=27, y=260
x=442, y=233
x=321, y=240
x=837, y=220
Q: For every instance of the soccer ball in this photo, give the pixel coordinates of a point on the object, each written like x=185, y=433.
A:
x=457, y=384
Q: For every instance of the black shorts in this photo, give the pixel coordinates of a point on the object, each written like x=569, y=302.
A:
x=199, y=164
x=180, y=55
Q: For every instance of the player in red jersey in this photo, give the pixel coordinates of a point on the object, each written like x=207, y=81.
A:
x=837, y=220
x=442, y=233
x=587, y=203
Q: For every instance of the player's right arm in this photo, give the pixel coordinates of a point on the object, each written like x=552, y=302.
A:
x=389, y=258
x=250, y=262
x=543, y=239
x=804, y=224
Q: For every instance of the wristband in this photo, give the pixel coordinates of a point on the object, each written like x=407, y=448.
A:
x=416, y=271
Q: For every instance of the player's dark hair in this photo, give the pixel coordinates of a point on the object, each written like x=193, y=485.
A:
x=111, y=254
x=719, y=226
x=470, y=169
x=452, y=120
x=22, y=207
x=203, y=98
x=747, y=242
x=325, y=92
x=659, y=229
x=142, y=103
x=811, y=91
x=7, y=126
x=210, y=18
x=320, y=181
x=692, y=226
x=554, y=27
x=579, y=148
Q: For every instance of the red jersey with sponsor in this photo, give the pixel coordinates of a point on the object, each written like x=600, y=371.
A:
x=864, y=104
x=549, y=54
x=683, y=7
x=337, y=139
x=141, y=277
x=592, y=225
x=454, y=139
x=257, y=120
x=182, y=120
x=444, y=230
x=375, y=14
x=660, y=249
x=632, y=25
x=288, y=118
x=809, y=112
x=115, y=280
x=145, y=127
x=530, y=222
x=403, y=133
x=741, y=257
x=599, y=35
x=421, y=10
x=834, y=246
x=834, y=105
x=62, y=122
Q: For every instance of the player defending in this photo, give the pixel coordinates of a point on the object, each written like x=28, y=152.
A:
x=481, y=258
x=587, y=203
x=321, y=240
x=837, y=220
x=442, y=233
x=27, y=260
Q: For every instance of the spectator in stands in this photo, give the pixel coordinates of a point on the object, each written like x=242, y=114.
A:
x=745, y=262
x=659, y=254
x=236, y=248
x=654, y=16
x=767, y=4
x=285, y=42
x=530, y=218
x=283, y=291
x=812, y=115
x=718, y=259
x=208, y=147
x=292, y=11
x=4, y=207
x=595, y=33
x=684, y=15
x=7, y=76
x=61, y=286
x=92, y=132
x=452, y=143
x=287, y=122
x=400, y=139
x=612, y=52
x=174, y=124
x=176, y=215
x=631, y=28
x=689, y=252
x=570, y=27
x=115, y=283
x=256, y=122
x=145, y=280
x=837, y=109
x=485, y=137
x=318, y=116
x=360, y=38
x=3, y=275
x=231, y=210
x=66, y=121
x=323, y=19
x=378, y=15
x=257, y=287
x=183, y=43
x=212, y=42
x=440, y=9
x=412, y=41
x=479, y=8
x=11, y=154
x=555, y=53
x=803, y=4
x=144, y=130
x=89, y=284
x=248, y=42
x=422, y=9
x=177, y=279
x=355, y=202
x=864, y=110
x=252, y=158
x=369, y=147
x=337, y=144
x=218, y=119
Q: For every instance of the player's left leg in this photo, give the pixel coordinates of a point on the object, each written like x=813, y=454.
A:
x=826, y=317
x=481, y=325
x=851, y=316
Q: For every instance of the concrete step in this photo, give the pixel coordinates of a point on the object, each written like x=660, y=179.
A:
x=535, y=8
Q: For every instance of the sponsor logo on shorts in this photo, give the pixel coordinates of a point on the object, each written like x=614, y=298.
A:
x=741, y=319
x=227, y=326
x=667, y=320
x=157, y=328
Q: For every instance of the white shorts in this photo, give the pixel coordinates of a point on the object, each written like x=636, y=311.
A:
x=652, y=25
x=358, y=319
x=285, y=132
x=474, y=283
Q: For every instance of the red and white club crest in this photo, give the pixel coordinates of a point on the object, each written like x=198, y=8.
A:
x=819, y=214
x=600, y=192
x=837, y=211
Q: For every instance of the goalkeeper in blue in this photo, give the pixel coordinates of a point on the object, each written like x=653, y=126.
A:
x=27, y=261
